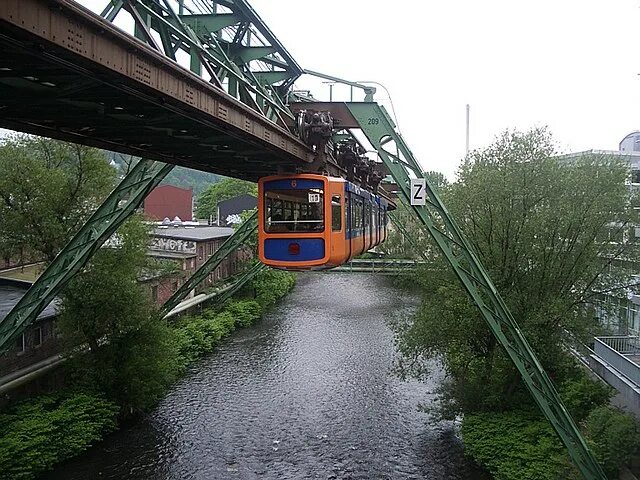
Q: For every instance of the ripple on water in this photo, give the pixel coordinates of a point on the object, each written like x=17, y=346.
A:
x=306, y=393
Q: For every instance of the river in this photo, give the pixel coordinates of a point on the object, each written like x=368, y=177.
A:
x=306, y=393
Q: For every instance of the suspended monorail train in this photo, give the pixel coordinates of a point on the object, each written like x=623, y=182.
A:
x=315, y=222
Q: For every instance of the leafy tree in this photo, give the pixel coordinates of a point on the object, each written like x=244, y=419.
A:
x=223, y=190
x=47, y=190
x=416, y=240
x=132, y=352
x=536, y=223
x=614, y=437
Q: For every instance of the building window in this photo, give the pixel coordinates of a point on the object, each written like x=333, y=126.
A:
x=154, y=293
x=635, y=176
x=21, y=344
x=200, y=252
x=37, y=337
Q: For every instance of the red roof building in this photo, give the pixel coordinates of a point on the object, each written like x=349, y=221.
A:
x=167, y=201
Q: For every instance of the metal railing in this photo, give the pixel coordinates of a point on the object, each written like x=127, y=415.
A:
x=618, y=352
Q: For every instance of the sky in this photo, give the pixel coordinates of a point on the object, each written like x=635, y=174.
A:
x=570, y=65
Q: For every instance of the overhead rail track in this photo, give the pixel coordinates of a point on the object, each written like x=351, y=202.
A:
x=69, y=74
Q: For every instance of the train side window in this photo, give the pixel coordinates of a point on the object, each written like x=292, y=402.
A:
x=336, y=213
x=366, y=215
x=346, y=212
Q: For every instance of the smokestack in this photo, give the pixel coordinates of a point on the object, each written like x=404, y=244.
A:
x=466, y=150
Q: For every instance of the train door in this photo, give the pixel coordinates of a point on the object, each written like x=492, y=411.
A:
x=339, y=249
x=347, y=223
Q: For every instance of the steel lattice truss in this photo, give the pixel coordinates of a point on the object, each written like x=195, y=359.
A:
x=226, y=43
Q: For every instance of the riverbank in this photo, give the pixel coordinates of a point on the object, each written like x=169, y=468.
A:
x=307, y=392
x=47, y=429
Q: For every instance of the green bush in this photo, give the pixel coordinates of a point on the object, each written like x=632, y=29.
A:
x=40, y=432
x=271, y=285
x=581, y=395
x=514, y=445
x=614, y=437
x=244, y=311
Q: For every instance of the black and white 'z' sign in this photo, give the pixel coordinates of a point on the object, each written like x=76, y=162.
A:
x=418, y=191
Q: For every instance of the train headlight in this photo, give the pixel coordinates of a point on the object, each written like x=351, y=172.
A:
x=294, y=248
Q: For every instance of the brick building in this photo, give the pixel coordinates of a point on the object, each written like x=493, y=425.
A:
x=168, y=201
x=38, y=343
x=39, y=347
x=190, y=246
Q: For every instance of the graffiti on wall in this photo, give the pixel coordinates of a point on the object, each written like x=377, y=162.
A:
x=173, y=245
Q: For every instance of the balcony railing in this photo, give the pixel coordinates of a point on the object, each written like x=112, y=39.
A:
x=621, y=353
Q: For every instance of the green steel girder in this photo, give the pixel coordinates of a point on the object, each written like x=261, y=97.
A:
x=244, y=54
x=195, y=33
x=270, y=77
x=119, y=205
x=230, y=245
x=240, y=282
x=379, y=129
x=211, y=23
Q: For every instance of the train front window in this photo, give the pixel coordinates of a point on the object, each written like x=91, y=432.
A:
x=299, y=210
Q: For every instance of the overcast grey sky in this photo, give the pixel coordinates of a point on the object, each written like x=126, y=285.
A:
x=572, y=65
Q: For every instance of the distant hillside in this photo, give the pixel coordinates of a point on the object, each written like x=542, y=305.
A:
x=179, y=176
x=187, y=178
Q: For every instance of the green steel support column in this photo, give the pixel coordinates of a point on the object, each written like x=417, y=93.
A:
x=380, y=131
x=119, y=205
x=230, y=245
x=244, y=278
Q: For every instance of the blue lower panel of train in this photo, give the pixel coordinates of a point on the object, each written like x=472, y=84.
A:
x=299, y=249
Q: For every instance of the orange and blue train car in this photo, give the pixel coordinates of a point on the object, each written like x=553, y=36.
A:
x=315, y=222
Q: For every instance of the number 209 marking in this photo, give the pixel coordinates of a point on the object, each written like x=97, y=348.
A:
x=373, y=121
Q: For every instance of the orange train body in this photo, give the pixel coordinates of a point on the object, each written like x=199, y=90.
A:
x=315, y=222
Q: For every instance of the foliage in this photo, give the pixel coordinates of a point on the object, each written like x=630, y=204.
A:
x=223, y=190
x=535, y=222
x=188, y=178
x=436, y=180
x=105, y=300
x=614, y=437
x=581, y=395
x=252, y=242
x=515, y=445
x=37, y=433
x=416, y=240
x=47, y=190
x=133, y=355
x=179, y=176
x=245, y=312
x=199, y=335
x=270, y=285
